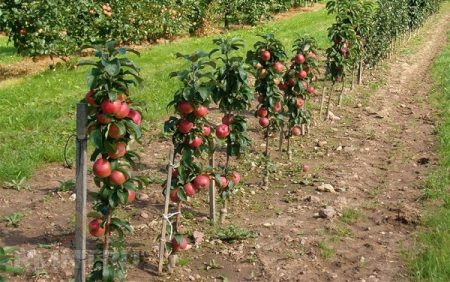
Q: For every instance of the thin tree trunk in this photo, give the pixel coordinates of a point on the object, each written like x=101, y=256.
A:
x=224, y=211
x=106, y=243
x=329, y=101
x=322, y=99
x=341, y=94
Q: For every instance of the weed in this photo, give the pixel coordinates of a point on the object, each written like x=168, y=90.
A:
x=14, y=219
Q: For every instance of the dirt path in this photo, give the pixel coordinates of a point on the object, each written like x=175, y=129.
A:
x=376, y=157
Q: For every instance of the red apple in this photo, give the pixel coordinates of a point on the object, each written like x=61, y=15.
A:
x=291, y=82
x=103, y=119
x=114, y=132
x=102, y=168
x=95, y=228
x=135, y=116
x=277, y=107
x=264, y=122
x=185, y=126
x=201, y=182
x=123, y=111
x=278, y=67
x=174, y=195
x=235, y=177
x=120, y=150
x=228, y=119
x=302, y=74
x=311, y=90
x=90, y=98
x=117, y=177
x=223, y=182
x=299, y=103
x=262, y=112
x=306, y=168
x=196, y=142
x=189, y=190
x=181, y=246
x=110, y=107
x=185, y=107
x=206, y=130
x=299, y=59
x=296, y=131
x=201, y=111
x=265, y=55
x=131, y=196
x=283, y=86
x=222, y=131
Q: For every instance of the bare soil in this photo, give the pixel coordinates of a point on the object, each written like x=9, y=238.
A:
x=376, y=156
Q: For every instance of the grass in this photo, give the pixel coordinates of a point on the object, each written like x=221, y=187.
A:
x=39, y=111
x=350, y=215
x=431, y=259
x=8, y=54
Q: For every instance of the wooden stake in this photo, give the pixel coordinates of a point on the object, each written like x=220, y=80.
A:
x=360, y=72
x=81, y=193
x=162, y=244
x=353, y=77
x=280, y=142
x=224, y=211
x=178, y=218
x=341, y=94
x=329, y=101
x=212, y=193
x=322, y=99
x=266, y=176
x=289, y=149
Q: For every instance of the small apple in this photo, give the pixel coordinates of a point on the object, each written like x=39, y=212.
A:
x=265, y=55
x=201, y=182
x=299, y=103
x=228, y=119
x=114, y=132
x=196, y=142
x=264, y=122
x=135, y=116
x=185, y=126
x=185, y=107
x=296, y=131
x=222, y=131
x=277, y=107
x=174, y=196
x=90, y=98
x=179, y=246
x=95, y=228
x=117, y=177
x=306, y=168
x=110, y=107
x=123, y=111
x=223, y=182
x=201, y=111
x=131, y=196
x=235, y=177
x=120, y=150
x=311, y=90
x=302, y=74
x=189, y=190
x=262, y=112
x=278, y=67
x=102, y=168
x=299, y=59
x=206, y=130
x=103, y=119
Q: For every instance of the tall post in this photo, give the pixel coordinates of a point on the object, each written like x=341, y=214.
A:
x=81, y=193
x=162, y=244
x=212, y=193
x=360, y=72
x=322, y=99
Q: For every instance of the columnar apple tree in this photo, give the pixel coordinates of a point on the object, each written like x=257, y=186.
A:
x=267, y=59
x=113, y=124
x=233, y=96
x=298, y=86
x=191, y=131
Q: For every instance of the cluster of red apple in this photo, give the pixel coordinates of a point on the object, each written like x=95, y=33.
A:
x=296, y=84
x=107, y=168
x=192, y=118
x=262, y=71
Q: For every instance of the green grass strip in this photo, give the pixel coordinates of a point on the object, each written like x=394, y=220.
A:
x=432, y=256
x=38, y=112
